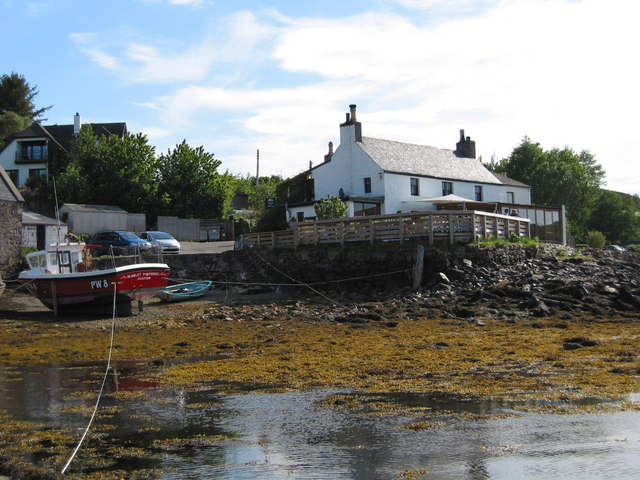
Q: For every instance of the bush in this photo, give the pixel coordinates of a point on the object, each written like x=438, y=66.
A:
x=595, y=239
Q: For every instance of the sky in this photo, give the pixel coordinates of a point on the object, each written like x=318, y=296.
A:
x=240, y=76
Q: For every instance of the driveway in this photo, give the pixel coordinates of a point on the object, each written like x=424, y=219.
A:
x=205, y=247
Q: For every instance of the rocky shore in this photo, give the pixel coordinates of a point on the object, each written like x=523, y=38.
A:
x=542, y=283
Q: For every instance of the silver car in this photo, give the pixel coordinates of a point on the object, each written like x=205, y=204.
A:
x=166, y=242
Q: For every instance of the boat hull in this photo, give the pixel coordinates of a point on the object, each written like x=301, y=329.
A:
x=136, y=282
x=185, y=291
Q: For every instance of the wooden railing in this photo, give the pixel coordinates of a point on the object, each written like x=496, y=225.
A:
x=437, y=226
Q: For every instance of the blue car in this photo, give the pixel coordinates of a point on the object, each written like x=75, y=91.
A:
x=121, y=241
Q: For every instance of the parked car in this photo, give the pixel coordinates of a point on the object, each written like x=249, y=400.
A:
x=617, y=248
x=166, y=242
x=121, y=241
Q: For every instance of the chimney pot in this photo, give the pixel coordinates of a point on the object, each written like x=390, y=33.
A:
x=352, y=107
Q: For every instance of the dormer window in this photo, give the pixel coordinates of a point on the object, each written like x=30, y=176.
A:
x=32, y=152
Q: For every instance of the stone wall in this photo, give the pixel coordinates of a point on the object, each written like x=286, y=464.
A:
x=10, y=235
x=367, y=268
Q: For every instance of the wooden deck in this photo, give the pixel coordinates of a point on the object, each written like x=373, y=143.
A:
x=435, y=227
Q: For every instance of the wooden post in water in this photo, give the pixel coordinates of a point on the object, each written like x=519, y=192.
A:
x=417, y=269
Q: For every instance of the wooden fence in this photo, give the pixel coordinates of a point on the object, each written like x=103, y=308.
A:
x=437, y=226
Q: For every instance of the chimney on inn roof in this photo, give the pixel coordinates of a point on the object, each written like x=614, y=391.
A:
x=465, y=148
x=351, y=120
x=327, y=157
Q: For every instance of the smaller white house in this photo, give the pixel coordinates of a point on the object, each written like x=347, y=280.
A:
x=378, y=177
x=39, y=231
x=26, y=153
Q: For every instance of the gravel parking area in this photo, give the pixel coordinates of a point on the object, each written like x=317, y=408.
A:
x=205, y=247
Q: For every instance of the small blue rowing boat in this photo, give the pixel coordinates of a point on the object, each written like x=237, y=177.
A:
x=184, y=291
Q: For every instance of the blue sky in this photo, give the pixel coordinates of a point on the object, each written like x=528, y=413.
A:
x=278, y=76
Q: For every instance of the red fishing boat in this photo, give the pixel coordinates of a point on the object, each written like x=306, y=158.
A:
x=65, y=274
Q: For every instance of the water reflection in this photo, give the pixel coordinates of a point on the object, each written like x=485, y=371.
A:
x=206, y=434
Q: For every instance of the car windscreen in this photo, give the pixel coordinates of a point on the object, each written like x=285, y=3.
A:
x=129, y=236
x=160, y=236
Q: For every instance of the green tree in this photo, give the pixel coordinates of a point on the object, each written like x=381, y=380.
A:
x=190, y=185
x=17, y=110
x=110, y=170
x=330, y=207
x=260, y=217
x=614, y=214
x=556, y=177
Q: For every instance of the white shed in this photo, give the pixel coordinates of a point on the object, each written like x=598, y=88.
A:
x=87, y=219
x=38, y=231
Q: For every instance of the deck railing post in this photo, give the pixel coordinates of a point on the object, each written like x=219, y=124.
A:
x=372, y=231
x=430, y=223
x=450, y=228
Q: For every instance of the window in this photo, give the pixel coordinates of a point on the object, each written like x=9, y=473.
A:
x=447, y=188
x=415, y=186
x=37, y=172
x=310, y=188
x=34, y=151
x=364, y=209
x=367, y=185
x=510, y=197
x=478, y=193
x=14, y=176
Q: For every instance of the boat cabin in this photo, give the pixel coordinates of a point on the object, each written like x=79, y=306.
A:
x=59, y=258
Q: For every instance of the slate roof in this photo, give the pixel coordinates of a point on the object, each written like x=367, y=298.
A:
x=31, y=218
x=78, y=207
x=63, y=134
x=420, y=160
x=509, y=181
x=8, y=191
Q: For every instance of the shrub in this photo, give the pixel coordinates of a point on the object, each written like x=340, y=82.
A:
x=595, y=239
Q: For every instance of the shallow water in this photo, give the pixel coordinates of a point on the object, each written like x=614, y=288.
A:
x=293, y=435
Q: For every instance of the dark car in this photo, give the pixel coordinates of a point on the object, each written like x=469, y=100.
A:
x=121, y=241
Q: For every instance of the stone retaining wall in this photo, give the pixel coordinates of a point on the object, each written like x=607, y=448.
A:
x=365, y=268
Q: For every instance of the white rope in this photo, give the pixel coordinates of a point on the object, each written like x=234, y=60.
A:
x=297, y=284
x=104, y=380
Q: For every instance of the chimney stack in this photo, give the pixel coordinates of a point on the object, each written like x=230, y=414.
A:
x=77, y=124
x=351, y=120
x=327, y=157
x=465, y=148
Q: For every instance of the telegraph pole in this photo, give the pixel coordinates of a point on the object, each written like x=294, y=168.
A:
x=257, y=166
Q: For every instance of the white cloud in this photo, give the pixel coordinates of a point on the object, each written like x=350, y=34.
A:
x=37, y=9
x=86, y=44
x=560, y=72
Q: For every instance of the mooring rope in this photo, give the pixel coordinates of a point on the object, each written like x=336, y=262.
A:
x=297, y=284
x=104, y=381
x=300, y=283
